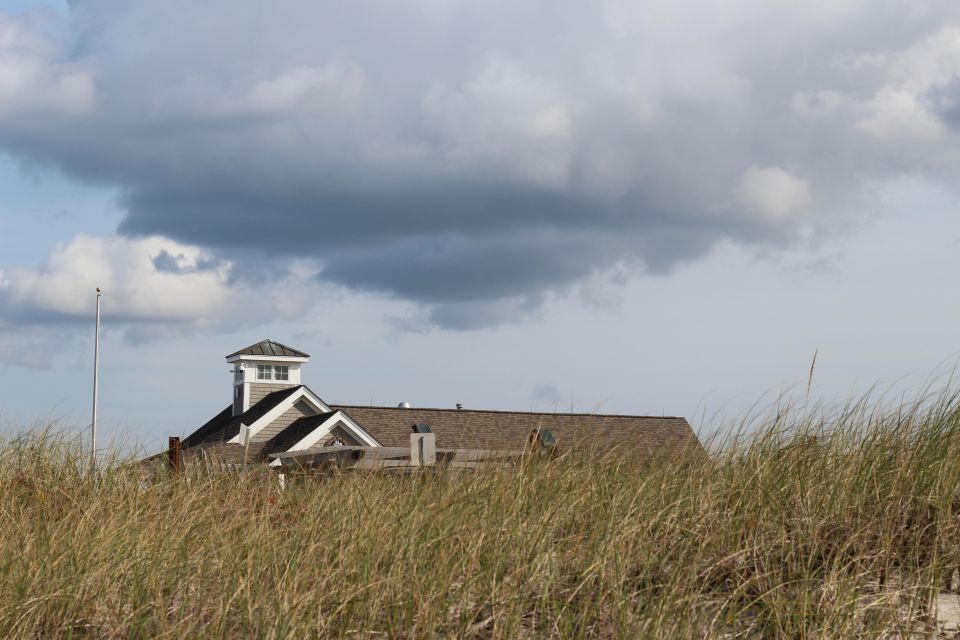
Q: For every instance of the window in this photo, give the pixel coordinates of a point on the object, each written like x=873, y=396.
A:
x=273, y=372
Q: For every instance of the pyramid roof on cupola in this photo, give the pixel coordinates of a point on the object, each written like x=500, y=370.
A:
x=270, y=348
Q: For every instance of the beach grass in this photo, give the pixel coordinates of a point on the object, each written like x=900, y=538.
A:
x=803, y=524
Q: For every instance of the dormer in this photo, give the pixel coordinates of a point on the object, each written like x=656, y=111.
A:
x=263, y=368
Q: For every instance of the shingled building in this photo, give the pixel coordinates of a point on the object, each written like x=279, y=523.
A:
x=273, y=412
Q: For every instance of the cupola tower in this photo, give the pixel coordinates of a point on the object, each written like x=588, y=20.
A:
x=261, y=369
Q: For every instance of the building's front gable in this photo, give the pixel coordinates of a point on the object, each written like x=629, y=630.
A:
x=273, y=428
x=301, y=409
x=338, y=424
x=300, y=403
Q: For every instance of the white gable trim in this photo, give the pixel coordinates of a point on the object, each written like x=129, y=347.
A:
x=314, y=436
x=314, y=399
x=302, y=393
x=360, y=431
x=327, y=425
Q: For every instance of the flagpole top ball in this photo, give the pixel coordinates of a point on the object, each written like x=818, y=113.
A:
x=98, y=289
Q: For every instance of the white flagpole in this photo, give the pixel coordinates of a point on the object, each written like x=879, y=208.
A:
x=96, y=371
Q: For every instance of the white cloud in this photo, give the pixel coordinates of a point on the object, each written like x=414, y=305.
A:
x=896, y=115
x=899, y=112
x=154, y=284
x=931, y=61
x=888, y=96
x=773, y=193
x=821, y=104
x=335, y=85
x=34, y=79
x=415, y=154
x=124, y=269
x=503, y=119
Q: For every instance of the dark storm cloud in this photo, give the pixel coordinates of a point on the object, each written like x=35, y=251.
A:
x=474, y=158
x=944, y=100
x=448, y=243
x=181, y=264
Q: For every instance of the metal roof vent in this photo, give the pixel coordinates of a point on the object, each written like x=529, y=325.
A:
x=404, y=405
x=459, y=406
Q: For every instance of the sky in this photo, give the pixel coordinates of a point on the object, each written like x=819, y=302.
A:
x=625, y=206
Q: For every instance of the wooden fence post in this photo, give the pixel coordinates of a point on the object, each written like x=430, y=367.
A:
x=423, y=449
x=175, y=455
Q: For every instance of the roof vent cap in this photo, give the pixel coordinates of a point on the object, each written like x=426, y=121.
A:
x=404, y=405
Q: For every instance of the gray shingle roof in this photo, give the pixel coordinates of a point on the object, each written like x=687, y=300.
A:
x=462, y=428
x=470, y=429
x=269, y=348
x=212, y=430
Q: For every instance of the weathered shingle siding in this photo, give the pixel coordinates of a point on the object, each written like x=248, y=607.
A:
x=338, y=432
x=259, y=390
x=297, y=411
x=215, y=451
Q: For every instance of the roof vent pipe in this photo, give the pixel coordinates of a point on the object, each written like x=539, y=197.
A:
x=403, y=405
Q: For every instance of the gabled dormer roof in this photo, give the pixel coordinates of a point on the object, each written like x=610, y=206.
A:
x=225, y=426
x=223, y=435
x=270, y=348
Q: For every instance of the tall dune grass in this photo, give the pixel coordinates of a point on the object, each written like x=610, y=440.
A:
x=815, y=526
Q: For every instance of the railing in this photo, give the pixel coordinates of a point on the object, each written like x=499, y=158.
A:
x=422, y=452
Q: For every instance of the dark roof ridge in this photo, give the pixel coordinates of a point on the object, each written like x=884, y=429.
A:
x=526, y=413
